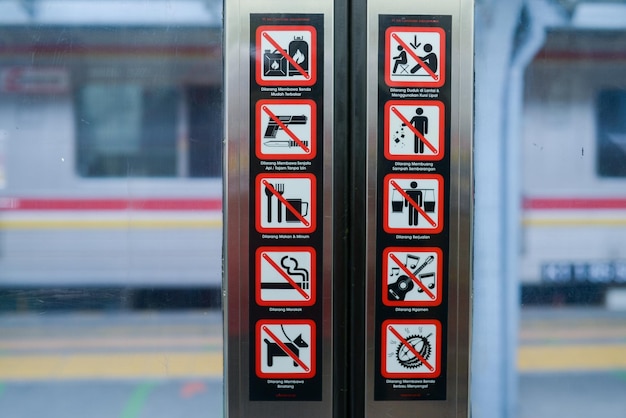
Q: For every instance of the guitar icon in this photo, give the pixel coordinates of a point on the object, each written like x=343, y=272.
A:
x=405, y=284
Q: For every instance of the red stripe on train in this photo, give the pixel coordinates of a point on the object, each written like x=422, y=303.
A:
x=198, y=50
x=574, y=203
x=110, y=204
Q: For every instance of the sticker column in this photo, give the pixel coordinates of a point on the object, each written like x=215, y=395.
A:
x=286, y=95
x=412, y=233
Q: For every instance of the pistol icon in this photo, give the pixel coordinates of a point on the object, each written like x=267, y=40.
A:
x=273, y=126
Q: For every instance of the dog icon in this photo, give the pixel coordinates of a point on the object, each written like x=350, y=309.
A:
x=274, y=350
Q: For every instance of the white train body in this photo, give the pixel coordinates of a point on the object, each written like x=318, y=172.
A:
x=574, y=161
x=69, y=217
x=81, y=105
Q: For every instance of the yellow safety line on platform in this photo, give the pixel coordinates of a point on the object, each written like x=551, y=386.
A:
x=581, y=222
x=142, y=365
x=558, y=358
x=110, y=366
x=109, y=224
x=40, y=345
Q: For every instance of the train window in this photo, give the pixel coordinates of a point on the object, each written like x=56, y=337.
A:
x=126, y=130
x=110, y=208
x=611, y=133
x=205, y=131
x=129, y=130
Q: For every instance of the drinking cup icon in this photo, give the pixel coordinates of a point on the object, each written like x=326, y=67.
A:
x=298, y=205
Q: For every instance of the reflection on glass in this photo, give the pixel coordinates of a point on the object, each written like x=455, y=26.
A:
x=110, y=208
x=573, y=226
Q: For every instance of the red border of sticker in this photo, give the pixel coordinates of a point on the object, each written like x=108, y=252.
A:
x=312, y=346
x=312, y=276
x=401, y=322
x=259, y=130
x=438, y=280
x=440, y=205
x=312, y=57
x=312, y=204
x=415, y=157
x=442, y=57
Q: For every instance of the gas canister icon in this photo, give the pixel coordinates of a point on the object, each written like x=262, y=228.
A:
x=299, y=52
x=274, y=63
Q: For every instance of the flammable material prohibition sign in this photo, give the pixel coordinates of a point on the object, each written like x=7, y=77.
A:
x=286, y=56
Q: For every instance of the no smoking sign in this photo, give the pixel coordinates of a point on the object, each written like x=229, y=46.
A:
x=285, y=276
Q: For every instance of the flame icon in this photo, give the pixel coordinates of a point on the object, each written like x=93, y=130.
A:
x=298, y=57
x=275, y=65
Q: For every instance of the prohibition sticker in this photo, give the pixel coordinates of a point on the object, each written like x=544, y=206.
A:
x=285, y=276
x=286, y=203
x=415, y=56
x=285, y=129
x=285, y=348
x=413, y=203
x=414, y=130
x=286, y=55
x=412, y=276
x=411, y=348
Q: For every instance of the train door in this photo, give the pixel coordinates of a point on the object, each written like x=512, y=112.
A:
x=348, y=184
x=111, y=208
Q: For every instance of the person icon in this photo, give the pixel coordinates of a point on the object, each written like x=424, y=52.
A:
x=430, y=59
x=401, y=59
x=416, y=196
x=420, y=123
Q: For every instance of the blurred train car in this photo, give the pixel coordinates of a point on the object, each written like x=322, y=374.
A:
x=574, y=166
x=110, y=144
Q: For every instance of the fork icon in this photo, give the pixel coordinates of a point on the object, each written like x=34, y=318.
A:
x=280, y=188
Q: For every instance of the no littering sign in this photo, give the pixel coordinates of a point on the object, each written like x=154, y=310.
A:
x=414, y=130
